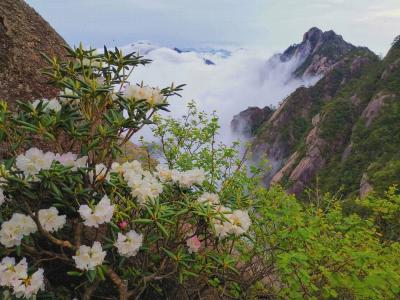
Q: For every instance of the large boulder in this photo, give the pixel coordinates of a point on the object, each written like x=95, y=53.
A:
x=24, y=34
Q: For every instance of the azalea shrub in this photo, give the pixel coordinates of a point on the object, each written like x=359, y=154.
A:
x=190, y=219
x=75, y=219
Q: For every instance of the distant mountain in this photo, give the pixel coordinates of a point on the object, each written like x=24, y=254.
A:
x=344, y=130
x=24, y=34
x=206, y=50
x=145, y=47
x=318, y=52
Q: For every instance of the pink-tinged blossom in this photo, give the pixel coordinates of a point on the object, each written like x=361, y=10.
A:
x=194, y=244
x=122, y=224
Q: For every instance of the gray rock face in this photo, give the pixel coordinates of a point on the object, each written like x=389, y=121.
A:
x=318, y=52
x=365, y=186
x=313, y=160
x=24, y=34
x=248, y=120
x=374, y=107
x=390, y=69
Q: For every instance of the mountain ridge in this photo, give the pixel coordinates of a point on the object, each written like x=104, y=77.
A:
x=318, y=52
x=313, y=139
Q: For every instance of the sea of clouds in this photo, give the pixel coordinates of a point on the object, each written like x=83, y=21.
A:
x=235, y=80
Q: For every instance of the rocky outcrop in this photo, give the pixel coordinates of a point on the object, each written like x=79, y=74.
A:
x=346, y=153
x=390, y=69
x=286, y=169
x=365, y=186
x=374, y=107
x=318, y=52
x=248, y=120
x=24, y=34
x=313, y=161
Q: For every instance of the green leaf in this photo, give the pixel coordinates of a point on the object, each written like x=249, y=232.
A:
x=74, y=273
x=162, y=228
x=143, y=221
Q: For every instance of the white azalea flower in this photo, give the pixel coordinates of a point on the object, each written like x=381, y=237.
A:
x=240, y=222
x=117, y=168
x=52, y=105
x=176, y=176
x=131, y=168
x=145, y=188
x=28, y=286
x=196, y=175
x=34, y=160
x=155, y=97
x=65, y=97
x=10, y=272
x=222, y=229
x=101, y=171
x=16, y=276
x=189, y=178
x=50, y=220
x=13, y=230
x=151, y=95
x=87, y=258
x=37, y=102
x=143, y=184
x=7, y=274
x=10, y=235
x=128, y=245
x=70, y=159
x=102, y=213
x=164, y=173
x=209, y=198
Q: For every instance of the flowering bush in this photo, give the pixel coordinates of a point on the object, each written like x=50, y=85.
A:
x=80, y=220
x=72, y=209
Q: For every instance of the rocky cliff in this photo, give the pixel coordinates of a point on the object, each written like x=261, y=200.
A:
x=317, y=52
x=24, y=34
x=344, y=130
x=251, y=118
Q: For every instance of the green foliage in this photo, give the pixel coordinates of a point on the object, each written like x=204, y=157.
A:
x=374, y=151
x=385, y=211
x=192, y=142
x=95, y=118
x=336, y=120
x=289, y=250
x=322, y=254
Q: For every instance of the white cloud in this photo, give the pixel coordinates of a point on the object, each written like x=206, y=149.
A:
x=246, y=78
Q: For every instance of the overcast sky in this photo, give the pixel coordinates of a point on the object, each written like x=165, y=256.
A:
x=269, y=24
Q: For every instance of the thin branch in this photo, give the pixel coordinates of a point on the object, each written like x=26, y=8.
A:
x=90, y=290
x=122, y=285
x=46, y=234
